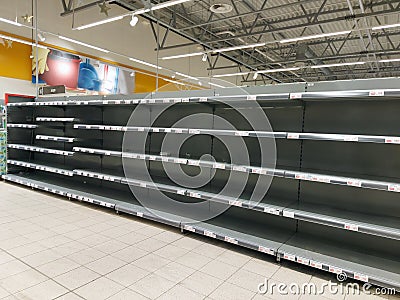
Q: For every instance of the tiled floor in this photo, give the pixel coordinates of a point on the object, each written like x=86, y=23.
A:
x=52, y=248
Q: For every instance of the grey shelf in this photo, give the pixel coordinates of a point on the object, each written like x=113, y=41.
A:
x=55, y=119
x=342, y=258
x=352, y=138
x=40, y=149
x=290, y=174
x=55, y=138
x=45, y=168
x=25, y=126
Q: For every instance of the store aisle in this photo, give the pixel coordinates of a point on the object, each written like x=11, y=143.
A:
x=52, y=248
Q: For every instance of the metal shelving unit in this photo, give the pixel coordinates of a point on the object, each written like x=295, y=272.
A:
x=333, y=199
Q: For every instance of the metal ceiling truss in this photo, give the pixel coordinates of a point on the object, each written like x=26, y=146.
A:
x=253, y=21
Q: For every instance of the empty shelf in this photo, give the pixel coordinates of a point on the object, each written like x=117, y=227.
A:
x=27, y=126
x=338, y=258
x=39, y=149
x=55, y=138
x=297, y=175
x=40, y=167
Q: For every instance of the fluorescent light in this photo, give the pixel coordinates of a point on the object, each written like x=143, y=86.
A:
x=136, y=12
x=99, y=22
x=279, y=70
x=21, y=41
x=338, y=65
x=389, y=60
x=145, y=63
x=238, y=47
x=187, y=76
x=10, y=22
x=229, y=75
x=168, y=3
x=315, y=36
x=216, y=85
x=83, y=44
x=385, y=26
x=172, y=81
x=182, y=55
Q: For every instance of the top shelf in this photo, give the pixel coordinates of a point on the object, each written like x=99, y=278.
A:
x=352, y=94
x=55, y=119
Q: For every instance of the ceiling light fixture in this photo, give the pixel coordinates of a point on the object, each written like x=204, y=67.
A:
x=136, y=12
x=21, y=41
x=145, y=63
x=134, y=21
x=204, y=58
x=338, y=65
x=41, y=37
x=279, y=70
x=386, y=26
x=187, y=76
x=172, y=81
x=255, y=76
x=105, y=21
x=315, y=36
x=132, y=74
x=10, y=22
x=238, y=47
x=182, y=55
x=83, y=44
x=232, y=74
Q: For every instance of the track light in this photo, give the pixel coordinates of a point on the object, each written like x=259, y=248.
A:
x=132, y=74
x=204, y=58
x=41, y=37
x=134, y=21
x=255, y=76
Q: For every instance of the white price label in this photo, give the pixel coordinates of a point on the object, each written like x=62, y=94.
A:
x=152, y=157
x=293, y=136
x=350, y=138
x=140, y=129
x=152, y=101
x=335, y=270
x=177, y=100
x=290, y=257
x=242, y=133
x=303, y=261
x=266, y=250
x=142, y=184
x=316, y=264
x=219, y=166
x=235, y=203
x=377, y=93
x=194, y=131
x=394, y=188
x=252, y=97
x=181, y=192
x=166, y=100
x=203, y=99
x=392, y=140
x=193, y=162
x=239, y=168
x=300, y=176
x=361, y=277
x=156, y=129
x=139, y=214
x=352, y=182
x=231, y=240
x=180, y=161
x=259, y=171
x=189, y=228
x=288, y=214
x=351, y=227
x=167, y=130
x=185, y=99
x=178, y=130
x=210, y=234
x=195, y=195
x=296, y=96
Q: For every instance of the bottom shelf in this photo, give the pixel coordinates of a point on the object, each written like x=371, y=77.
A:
x=375, y=267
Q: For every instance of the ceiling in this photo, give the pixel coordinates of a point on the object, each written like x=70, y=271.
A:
x=270, y=22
